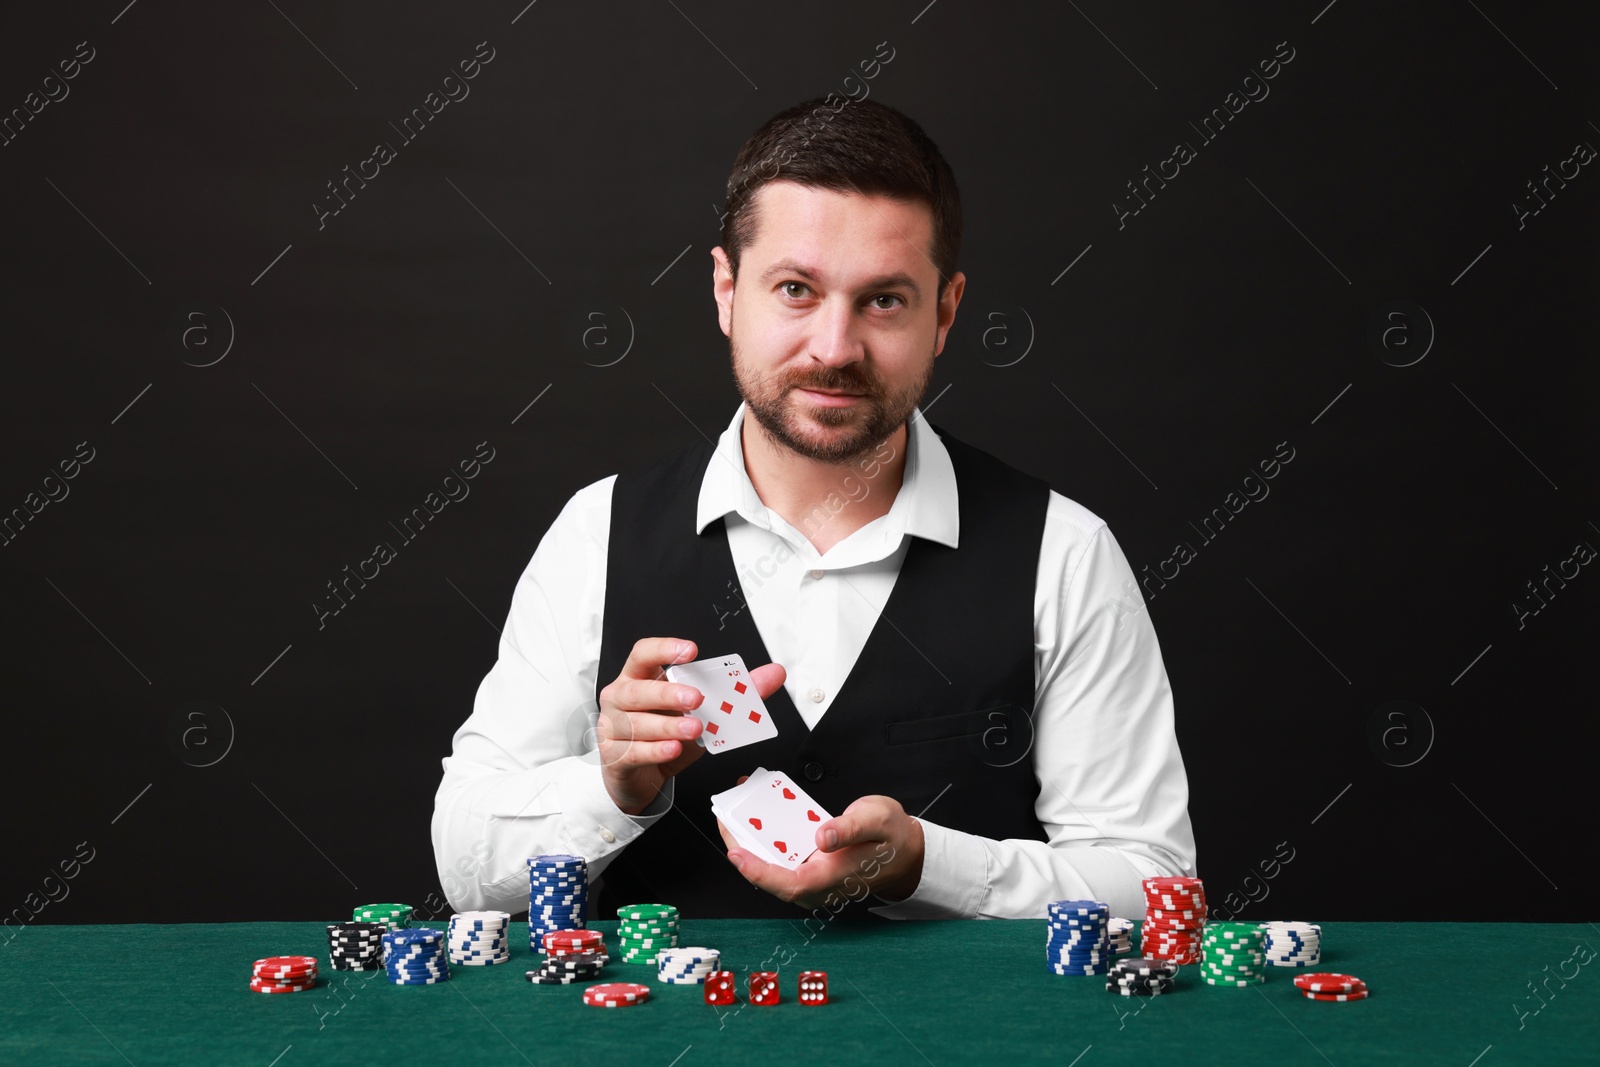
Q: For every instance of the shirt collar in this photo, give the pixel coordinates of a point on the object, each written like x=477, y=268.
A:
x=927, y=504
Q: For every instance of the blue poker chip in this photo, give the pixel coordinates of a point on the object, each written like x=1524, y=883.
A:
x=413, y=935
x=1079, y=907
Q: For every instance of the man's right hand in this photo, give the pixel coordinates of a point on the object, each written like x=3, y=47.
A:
x=646, y=735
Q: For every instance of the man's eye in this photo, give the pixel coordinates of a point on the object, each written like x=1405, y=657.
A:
x=888, y=296
x=798, y=285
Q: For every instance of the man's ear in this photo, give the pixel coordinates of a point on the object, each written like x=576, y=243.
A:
x=947, y=308
x=722, y=288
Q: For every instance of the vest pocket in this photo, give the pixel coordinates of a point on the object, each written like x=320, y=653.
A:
x=998, y=736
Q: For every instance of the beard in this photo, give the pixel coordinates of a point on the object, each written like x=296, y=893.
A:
x=786, y=417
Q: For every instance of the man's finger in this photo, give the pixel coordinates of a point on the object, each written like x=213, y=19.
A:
x=768, y=678
x=861, y=821
x=809, y=882
x=651, y=726
x=646, y=694
x=650, y=654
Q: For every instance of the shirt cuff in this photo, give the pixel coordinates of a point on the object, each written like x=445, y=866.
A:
x=955, y=876
x=596, y=826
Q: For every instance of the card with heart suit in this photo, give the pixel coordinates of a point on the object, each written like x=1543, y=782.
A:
x=732, y=710
x=772, y=816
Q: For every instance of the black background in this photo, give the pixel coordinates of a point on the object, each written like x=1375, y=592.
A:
x=370, y=356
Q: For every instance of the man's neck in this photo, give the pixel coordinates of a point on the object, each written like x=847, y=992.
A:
x=825, y=502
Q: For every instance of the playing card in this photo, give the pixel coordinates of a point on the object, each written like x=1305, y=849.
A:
x=773, y=817
x=732, y=711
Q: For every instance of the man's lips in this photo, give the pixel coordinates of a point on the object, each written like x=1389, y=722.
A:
x=830, y=399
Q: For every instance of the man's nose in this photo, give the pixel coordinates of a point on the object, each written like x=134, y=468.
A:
x=836, y=340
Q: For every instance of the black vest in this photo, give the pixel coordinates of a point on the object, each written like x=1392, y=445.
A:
x=936, y=712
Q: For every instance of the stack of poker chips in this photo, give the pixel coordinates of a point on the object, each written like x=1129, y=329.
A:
x=1292, y=944
x=284, y=974
x=567, y=942
x=390, y=916
x=558, y=895
x=1076, y=940
x=644, y=930
x=566, y=968
x=415, y=956
x=355, y=946
x=616, y=995
x=1175, y=913
x=1233, y=955
x=1120, y=934
x=1141, y=977
x=1336, y=987
x=479, y=938
x=687, y=966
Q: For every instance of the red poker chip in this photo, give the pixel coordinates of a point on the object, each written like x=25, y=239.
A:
x=1356, y=994
x=284, y=966
x=266, y=985
x=572, y=937
x=1327, y=982
x=616, y=994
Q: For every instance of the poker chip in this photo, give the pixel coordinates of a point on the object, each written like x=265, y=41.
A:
x=283, y=967
x=644, y=931
x=283, y=974
x=415, y=956
x=560, y=942
x=558, y=895
x=267, y=985
x=616, y=994
x=1076, y=937
x=1144, y=965
x=1231, y=954
x=390, y=916
x=355, y=946
x=687, y=966
x=479, y=938
x=1175, y=910
x=1293, y=944
x=1328, y=982
x=1119, y=932
x=1354, y=994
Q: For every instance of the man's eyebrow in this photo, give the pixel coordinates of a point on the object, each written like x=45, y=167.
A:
x=898, y=280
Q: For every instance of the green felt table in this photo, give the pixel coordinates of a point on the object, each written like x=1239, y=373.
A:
x=902, y=993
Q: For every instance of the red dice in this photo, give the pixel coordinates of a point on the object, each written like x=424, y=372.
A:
x=813, y=987
x=764, y=988
x=719, y=987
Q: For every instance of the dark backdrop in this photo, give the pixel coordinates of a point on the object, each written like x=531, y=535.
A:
x=1373, y=727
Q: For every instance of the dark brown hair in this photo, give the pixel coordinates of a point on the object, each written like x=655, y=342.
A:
x=856, y=146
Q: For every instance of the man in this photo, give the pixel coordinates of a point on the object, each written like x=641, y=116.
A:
x=964, y=670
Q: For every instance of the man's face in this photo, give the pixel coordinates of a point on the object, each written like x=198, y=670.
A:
x=835, y=325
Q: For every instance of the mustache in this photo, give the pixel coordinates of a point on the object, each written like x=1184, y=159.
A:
x=840, y=382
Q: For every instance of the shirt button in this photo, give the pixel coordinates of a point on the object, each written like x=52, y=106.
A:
x=813, y=771
x=817, y=695
x=817, y=574
x=607, y=836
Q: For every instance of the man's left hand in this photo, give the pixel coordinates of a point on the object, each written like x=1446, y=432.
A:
x=874, y=843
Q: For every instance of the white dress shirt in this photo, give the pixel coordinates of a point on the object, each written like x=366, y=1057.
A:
x=524, y=777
